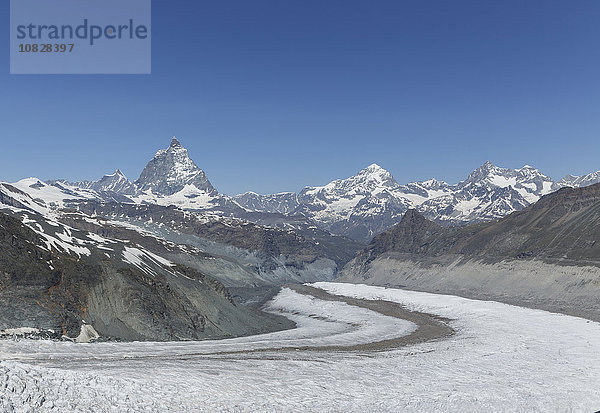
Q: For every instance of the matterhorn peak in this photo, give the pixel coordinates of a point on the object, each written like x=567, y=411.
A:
x=175, y=143
x=171, y=170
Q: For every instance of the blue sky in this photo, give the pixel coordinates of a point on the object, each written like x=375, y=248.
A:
x=274, y=95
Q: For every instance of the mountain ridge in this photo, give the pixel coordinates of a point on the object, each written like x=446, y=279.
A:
x=348, y=206
x=358, y=207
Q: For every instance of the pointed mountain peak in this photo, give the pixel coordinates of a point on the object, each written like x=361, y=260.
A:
x=171, y=170
x=374, y=170
x=175, y=143
x=484, y=170
x=488, y=165
x=376, y=174
x=484, y=173
x=372, y=179
x=374, y=167
x=117, y=172
x=115, y=182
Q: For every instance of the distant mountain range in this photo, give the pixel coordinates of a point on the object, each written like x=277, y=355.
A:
x=358, y=207
x=372, y=201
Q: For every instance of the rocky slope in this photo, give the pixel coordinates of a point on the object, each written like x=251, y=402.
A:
x=239, y=252
x=546, y=255
x=57, y=281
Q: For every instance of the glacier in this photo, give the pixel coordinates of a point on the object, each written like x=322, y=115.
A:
x=501, y=358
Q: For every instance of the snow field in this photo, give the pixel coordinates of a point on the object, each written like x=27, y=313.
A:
x=502, y=358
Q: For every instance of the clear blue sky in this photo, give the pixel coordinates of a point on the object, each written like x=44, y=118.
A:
x=274, y=95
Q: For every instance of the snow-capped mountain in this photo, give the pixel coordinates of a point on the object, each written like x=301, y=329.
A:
x=45, y=196
x=488, y=193
x=358, y=207
x=372, y=201
x=172, y=178
x=579, y=181
x=527, y=181
x=171, y=171
x=115, y=182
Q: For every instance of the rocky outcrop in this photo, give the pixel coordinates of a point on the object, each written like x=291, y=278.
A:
x=546, y=255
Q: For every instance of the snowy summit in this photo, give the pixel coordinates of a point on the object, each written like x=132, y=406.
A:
x=171, y=170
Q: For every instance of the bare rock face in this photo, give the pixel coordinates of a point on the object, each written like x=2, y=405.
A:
x=171, y=170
